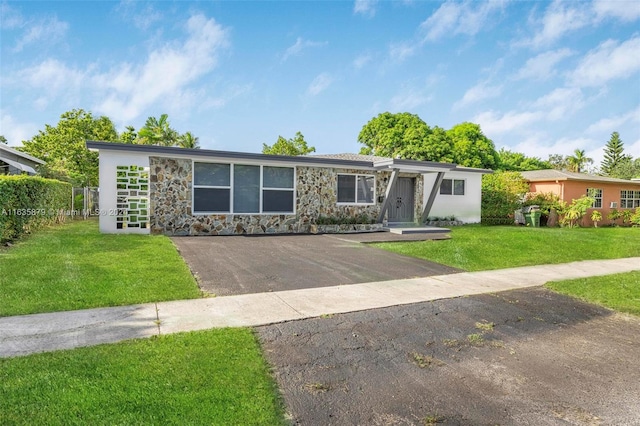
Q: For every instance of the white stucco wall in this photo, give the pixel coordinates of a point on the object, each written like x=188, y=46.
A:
x=108, y=161
x=465, y=208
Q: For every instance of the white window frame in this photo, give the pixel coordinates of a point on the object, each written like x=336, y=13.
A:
x=231, y=190
x=355, y=202
x=629, y=199
x=598, y=194
x=453, y=186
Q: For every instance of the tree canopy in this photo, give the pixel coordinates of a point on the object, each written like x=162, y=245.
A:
x=63, y=146
x=518, y=162
x=294, y=146
x=405, y=135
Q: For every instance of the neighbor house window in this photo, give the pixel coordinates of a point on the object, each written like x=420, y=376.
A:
x=356, y=189
x=452, y=187
x=242, y=189
x=629, y=199
x=596, y=194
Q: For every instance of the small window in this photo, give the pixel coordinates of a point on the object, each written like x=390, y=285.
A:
x=596, y=193
x=452, y=187
x=356, y=189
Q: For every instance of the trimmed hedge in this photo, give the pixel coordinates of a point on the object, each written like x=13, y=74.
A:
x=28, y=203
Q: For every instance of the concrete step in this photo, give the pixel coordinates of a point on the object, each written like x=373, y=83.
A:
x=416, y=230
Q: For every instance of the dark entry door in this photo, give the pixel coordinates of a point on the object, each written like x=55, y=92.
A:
x=401, y=201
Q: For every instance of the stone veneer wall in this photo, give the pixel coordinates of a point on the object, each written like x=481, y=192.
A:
x=171, y=198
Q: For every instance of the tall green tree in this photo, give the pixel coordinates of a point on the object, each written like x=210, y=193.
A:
x=63, y=146
x=558, y=161
x=129, y=135
x=613, y=154
x=578, y=161
x=518, y=162
x=404, y=135
x=157, y=131
x=471, y=148
x=187, y=140
x=626, y=168
x=294, y=146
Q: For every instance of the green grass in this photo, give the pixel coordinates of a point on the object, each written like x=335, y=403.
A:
x=215, y=377
x=477, y=248
x=73, y=266
x=619, y=291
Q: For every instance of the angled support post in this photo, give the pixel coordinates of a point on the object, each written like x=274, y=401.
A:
x=390, y=187
x=432, y=197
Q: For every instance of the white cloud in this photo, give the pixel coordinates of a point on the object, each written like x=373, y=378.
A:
x=478, y=93
x=560, y=103
x=541, y=145
x=454, y=18
x=54, y=79
x=141, y=15
x=365, y=7
x=167, y=72
x=11, y=17
x=362, y=60
x=48, y=31
x=409, y=100
x=398, y=52
x=626, y=11
x=14, y=131
x=610, y=60
x=319, y=84
x=493, y=123
x=559, y=18
x=541, y=67
x=610, y=124
x=299, y=45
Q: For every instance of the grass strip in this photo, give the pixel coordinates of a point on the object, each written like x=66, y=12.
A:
x=73, y=266
x=478, y=248
x=207, y=377
x=618, y=291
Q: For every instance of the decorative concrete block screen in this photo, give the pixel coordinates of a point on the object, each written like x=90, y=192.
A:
x=133, y=197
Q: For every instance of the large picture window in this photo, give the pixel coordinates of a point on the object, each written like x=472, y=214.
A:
x=242, y=189
x=629, y=199
x=452, y=187
x=356, y=189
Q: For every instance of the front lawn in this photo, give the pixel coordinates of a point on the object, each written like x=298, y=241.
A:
x=73, y=266
x=619, y=291
x=477, y=248
x=215, y=377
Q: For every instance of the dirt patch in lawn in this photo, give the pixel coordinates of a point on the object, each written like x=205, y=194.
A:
x=526, y=357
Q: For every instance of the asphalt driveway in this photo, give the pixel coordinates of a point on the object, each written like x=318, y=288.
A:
x=253, y=264
x=521, y=357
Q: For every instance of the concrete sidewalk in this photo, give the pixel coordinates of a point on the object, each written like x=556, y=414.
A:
x=22, y=335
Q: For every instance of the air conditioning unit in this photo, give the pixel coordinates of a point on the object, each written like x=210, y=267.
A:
x=613, y=205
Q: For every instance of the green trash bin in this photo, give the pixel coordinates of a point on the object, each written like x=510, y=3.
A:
x=533, y=219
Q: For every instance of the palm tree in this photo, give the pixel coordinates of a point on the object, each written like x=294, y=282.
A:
x=188, y=141
x=157, y=132
x=578, y=160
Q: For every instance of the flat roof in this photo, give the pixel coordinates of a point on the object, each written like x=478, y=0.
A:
x=337, y=160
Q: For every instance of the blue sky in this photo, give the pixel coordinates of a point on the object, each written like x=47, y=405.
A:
x=539, y=77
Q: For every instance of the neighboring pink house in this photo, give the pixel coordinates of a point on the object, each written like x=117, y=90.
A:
x=610, y=193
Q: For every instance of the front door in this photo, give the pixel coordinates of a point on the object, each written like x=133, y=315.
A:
x=401, y=205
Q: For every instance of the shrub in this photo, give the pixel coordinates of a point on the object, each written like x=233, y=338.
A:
x=28, y=203
x=614, y=215
x=571, y=214
x=502, y=194
x=596, y=217
x=635, y=219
